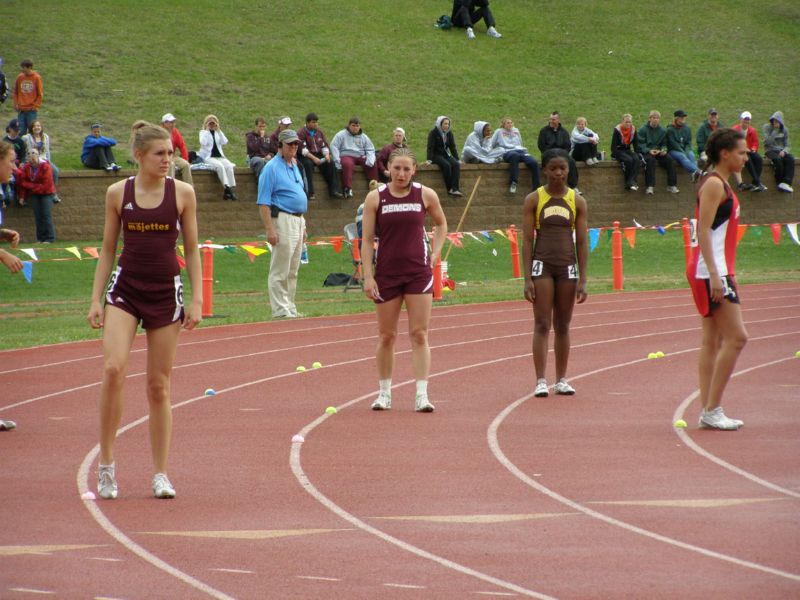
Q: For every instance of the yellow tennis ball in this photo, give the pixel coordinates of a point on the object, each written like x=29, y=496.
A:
x=652, y=355
x=300, y=369
x=797, y=354
x=659, y=354
x=331, y=410
x=317, y=365
x=680, y=424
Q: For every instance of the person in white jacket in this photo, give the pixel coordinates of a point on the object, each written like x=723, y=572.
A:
x=351, y=147
x=584, y=143
x=509, y=139
x=478, y=145
x=211, y=142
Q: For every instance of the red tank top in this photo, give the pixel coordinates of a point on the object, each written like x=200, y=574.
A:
x=149, y=235
x=724, y=231
x=403, y=248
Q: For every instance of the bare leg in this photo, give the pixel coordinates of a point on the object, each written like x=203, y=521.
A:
x=565, y=294
x=728, y=318
x=388, y=316
x=161, y=345
x=542, y=316
x=708, y=356
x=118, y=333
x=419, y=316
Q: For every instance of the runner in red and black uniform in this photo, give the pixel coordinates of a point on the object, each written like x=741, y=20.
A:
x=554, y=277
x=711, y=275
x=150, y=209
x=403, y=270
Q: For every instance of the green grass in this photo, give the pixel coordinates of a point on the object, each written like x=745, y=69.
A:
x=386, y=62
x=53, y=307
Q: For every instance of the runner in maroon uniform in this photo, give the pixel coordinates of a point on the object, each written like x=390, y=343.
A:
x=149, y=209
x=553, y=276
x=711, y=275
x=403, y=269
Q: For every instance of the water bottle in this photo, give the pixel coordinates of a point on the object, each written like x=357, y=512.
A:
x=304, y=255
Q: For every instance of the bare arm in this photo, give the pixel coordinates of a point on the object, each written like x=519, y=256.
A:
x=187, y=205
x=711, y=195
x=528, y=237
x=368, y=244
x=581, y=244
x=108, y=252
x=434, y=208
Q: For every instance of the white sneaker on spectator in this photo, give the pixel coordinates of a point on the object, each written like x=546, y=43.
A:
x=673, y=189
x=382, y=402
x=785, y=187
x=633, y=188
x=470, y=33
x=577, y=191
x=513, y=187
x=716, y=419
x=649, y=191
x=423, y=404
x=541, y=390
x=563, y=388
x=492, y=32
x=162, y=488
x=106, y=481
x=590, y=162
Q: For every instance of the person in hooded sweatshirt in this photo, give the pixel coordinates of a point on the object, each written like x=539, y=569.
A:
x=776, y=148
x=351, y=147
x=478, y=145
x=442, y=151
x=509, y=139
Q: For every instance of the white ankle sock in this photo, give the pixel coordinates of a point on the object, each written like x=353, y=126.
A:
x=385, y=386
x=422, y=387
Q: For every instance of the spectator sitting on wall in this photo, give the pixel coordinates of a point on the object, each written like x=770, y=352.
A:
x=314, y=150
x=653, y=144
x=351, y=147
x=709, y=126
x=478, y=145
x=679, y=144
x=584, y=142
x=180, y=159
x=97, y=153
x=776, y=148
x=259, y=147
x=755, y=163
x=212, y=139
x=398, y=141
x=625, y=148
x=466, y=13
x=283, y=123
x=37, y=139
x=509, y=139
x=443, y=152
x=553, y=135
x=13, y=137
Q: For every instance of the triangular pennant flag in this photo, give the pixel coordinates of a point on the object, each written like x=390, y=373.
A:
x=181, y=261
x=661, y=230
x=453, y=237
x=91, y=251
x=671, y=225
x=74, y=250
x=337, y=243
x=30, y=252
x=776, y=233
x=487, y=236
x=231, y=249
x=474, y=237
x=594, y=237
x=253, y=251
x=609, y=233
x=630, y=235
x=251, y=257
x=792, y=229
x=180, y=249
x=740, y=233
x=638, y=225
x=500, y=232
x=27, y=270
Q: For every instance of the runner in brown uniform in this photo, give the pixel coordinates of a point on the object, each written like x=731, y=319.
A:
x=553, y=276
x=150, y=209
x=403, y=270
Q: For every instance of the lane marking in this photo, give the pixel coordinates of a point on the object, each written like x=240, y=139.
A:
x=479, y=519
x=234, y=571
x=44, y=550
x=691, y=503
x=687, y=439
x=495, y=593
x=317, y=578
x=256, y=534
x=404, y=586
x=105, y=559
x=30, y=591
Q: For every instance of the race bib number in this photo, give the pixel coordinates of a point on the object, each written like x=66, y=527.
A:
x=536, y=269
x=572, y=272
x=693, y=232
x=112, y=282
x=727, y=291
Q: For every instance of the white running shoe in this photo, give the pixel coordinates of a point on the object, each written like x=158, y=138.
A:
x=716, y=419
x=492, y=32
x=382, y=402
x=423, y=404
x=470, y=33
x=785, y=187
x=673, y=189
x=563, y=388
x=106, y=482
x=541, y=390
x=162, y=488
x=512, y=189
x=649, y=191
x=7, y=425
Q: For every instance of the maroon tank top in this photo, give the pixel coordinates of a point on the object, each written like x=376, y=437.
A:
x=403, y=248
x=149, y=235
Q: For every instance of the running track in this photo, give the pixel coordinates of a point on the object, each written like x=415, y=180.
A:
x=496, y=494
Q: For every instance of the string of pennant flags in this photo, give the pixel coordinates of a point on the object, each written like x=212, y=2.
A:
x=257, y=248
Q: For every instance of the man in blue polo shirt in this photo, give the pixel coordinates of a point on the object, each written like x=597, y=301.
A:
x=282, y=203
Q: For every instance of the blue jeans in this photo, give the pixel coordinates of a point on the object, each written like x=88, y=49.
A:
x=513, y=158
x=42, y=211
x=686, y=160
x=26, y=119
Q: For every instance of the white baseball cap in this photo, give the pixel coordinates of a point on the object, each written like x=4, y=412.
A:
x=284, y=121
x=745, y=115
x=168, y=117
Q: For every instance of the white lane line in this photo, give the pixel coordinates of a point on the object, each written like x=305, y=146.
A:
x=504, y=594
x=23, y=590
x=404, y=586
x=234, y=571
x=105, y=559
x=687, y=439
x=494, y=446
x=317, y=578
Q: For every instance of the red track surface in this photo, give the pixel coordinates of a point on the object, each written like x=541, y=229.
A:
x=496, y=494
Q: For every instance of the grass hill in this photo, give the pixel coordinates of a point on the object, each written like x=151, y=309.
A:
x=383, y=60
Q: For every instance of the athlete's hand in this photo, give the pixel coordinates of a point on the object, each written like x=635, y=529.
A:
x=530, y=291
x=11, y=236
x=717, y=289
x=371, y=289
x=581, y=292
x=193, y=315
x=95, y=316
x=11, y=262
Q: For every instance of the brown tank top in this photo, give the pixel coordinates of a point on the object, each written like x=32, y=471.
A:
x=555, y=222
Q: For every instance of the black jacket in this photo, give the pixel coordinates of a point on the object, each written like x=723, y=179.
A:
x=617, y=145
x=436, y=145
x=553, y=138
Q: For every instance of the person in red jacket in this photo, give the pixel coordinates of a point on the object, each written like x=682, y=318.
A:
x=754, y=163
x=36, y=187
x=180, y=160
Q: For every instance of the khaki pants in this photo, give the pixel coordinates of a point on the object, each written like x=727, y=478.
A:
x=182, y=168
x=285, y=263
